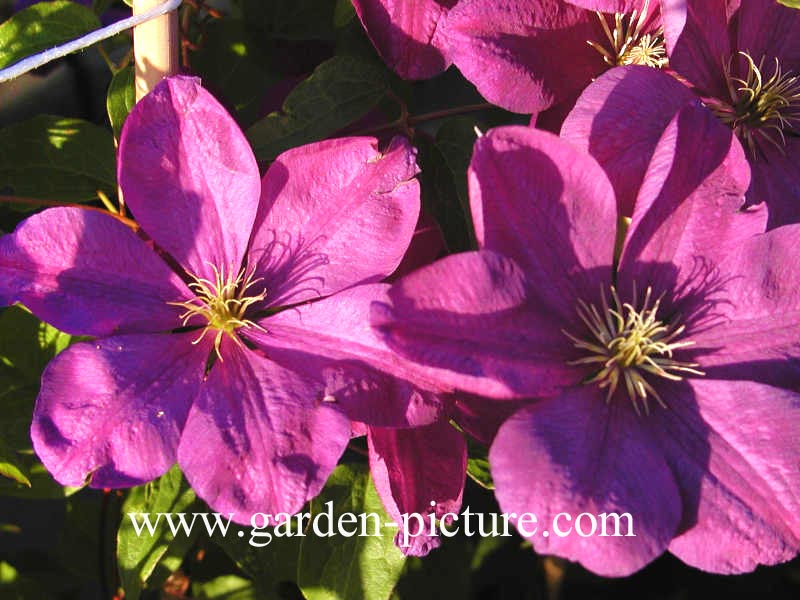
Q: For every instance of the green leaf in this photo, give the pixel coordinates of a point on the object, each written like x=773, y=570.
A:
x=350, y=568
x=121, y=98
x=228, y=62
x=478, y=464
x=343, y=13
x=139, y=555
x=55, y=158
x=291, y=19
x=338, y=92
x=268, y=558
x=226, y=587
x=26, y=346
x=790, y=3
x=43, y=26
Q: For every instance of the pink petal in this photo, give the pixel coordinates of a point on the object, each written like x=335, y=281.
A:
x=688, y=209
x=189, y=176
x=755, y=332
x=698, y=41
x=614, y=124
x=736, y=458
x=258, y=439
x=407, y=34
x=88, y=274
x=464, y=321
x=524, y=55
x=420, y=470
x=334, y=214
x=577, y=454
x=775, y=176
x=611, y=6
x=538, y=200
x=332, y=338
x=112, y=410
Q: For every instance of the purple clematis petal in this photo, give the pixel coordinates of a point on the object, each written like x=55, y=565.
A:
x=189, y=176
x=257, y=439
x=691, y=198
x=478, y=338
x=578, y=454
x=407, y=34
x=775, y=182
x=610, y=6
x=88, y=274
x=763, y=324
x=332, y=338
x=613, y=124
x=547, y=206
x=737, y=464
x=332, y=215
x=106, y=414
x=506, y=49
x=421, y=471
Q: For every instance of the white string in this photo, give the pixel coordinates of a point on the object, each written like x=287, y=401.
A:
x=42, y=58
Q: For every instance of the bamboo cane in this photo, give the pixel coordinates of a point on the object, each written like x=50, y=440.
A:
x=155, y=47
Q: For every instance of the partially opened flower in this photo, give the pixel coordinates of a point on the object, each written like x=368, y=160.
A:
x=195, y=353
x=743, y=58
x=662, y=382
x=530, y=55
x=407, y=34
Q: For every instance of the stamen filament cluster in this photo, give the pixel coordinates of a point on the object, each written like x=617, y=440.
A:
x=761, y=106
x=627, y=343
x=629, y=44
x=223, y=304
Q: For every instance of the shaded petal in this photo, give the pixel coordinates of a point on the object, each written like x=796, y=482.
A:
x=538, y=200
x=420, y=471
x=610, y=6
x=189, y=176
x=736, y=462
x=332, y=339
x=575, y=453
x=426, y=246
x=257, y=439
x=481, y=417
x=465, y=322
x=334, y=214
x=688, y=210
x=406, y=34
x=113, y=409
x=752, y=330
x=88, y=274
x=775, y=176
x=698, y=41
x=612, y=123
x=506, y=48
x=770, y=29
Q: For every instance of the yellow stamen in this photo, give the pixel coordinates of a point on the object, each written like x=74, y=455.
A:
x=222, y=303
x=627, y=42
x=626, y=343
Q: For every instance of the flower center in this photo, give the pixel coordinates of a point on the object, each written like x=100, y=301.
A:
x=222, y=303
x=629, y=45
x=761, y=107
x=628, y=343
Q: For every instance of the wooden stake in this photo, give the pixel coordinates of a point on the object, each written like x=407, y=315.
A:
x=155, y=47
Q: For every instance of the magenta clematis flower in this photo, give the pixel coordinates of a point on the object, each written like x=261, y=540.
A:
x=661, y=380
x=202, y=352
x=743, y=58
x=531, y=55
x=407, y=34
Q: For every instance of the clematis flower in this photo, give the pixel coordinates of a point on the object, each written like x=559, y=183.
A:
x=531, y=55
x=661, y=382
x=743, y=58
x=407, y=34
x=202, y=352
